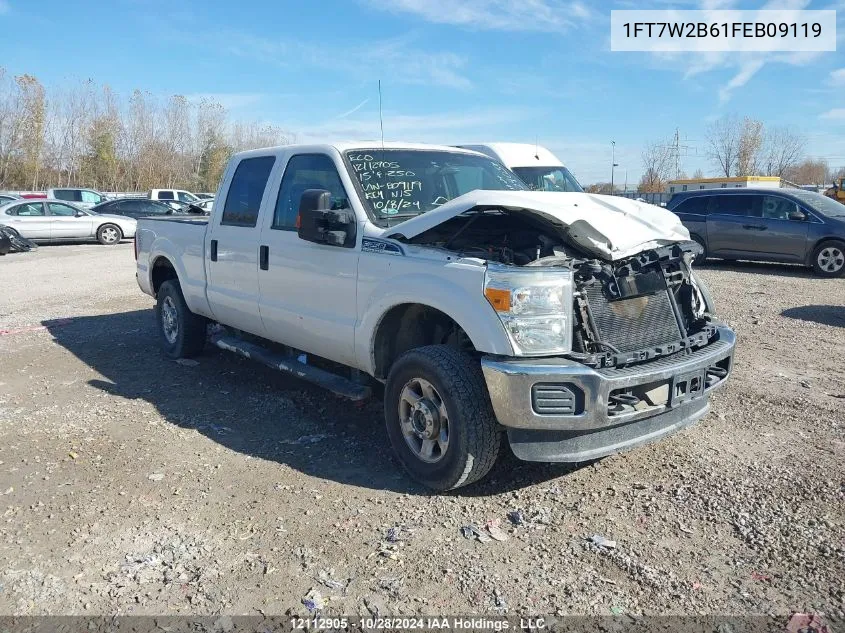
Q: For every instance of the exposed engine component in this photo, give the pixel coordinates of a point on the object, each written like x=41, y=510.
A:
x=627, y=311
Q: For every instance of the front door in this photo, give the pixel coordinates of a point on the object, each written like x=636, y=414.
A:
x=231, y=252
x=31, y=221
x=308, y=291
x=64, y=225
x=783, y=238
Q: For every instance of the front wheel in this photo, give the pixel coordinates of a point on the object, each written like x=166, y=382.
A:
x=829, y=259
x=439, y=418
x=109, y=234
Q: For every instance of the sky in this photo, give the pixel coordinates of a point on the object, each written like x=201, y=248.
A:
x=452, y=71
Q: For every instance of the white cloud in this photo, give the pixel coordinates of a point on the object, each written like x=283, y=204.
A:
x=836, y=114
x=837, y=78
x=394, y=59
x=494, y=15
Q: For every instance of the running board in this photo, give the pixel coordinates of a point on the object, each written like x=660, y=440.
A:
x=289, y=365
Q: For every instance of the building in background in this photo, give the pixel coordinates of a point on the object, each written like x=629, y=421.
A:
x=694, y=184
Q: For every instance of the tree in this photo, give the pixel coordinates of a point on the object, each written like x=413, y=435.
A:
x=748, y=147
x=698, y=174
x=783, y=149
x=810, y=172
x=657, y=168
x=723, y=144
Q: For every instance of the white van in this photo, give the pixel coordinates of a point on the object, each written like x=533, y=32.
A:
x=538, y=167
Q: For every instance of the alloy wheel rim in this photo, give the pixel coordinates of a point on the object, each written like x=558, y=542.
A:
x=831, y=259
x=424, y=420
x=169, y=321
x=109, y=234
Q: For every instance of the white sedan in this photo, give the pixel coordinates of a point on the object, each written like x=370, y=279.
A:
x=58, y=221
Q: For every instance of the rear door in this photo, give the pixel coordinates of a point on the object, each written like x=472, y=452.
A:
x=734, y=222
x=232, y=247
x=307, y=290
x=65, y=225
x=30, y=220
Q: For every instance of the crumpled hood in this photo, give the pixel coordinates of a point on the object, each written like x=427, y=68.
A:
x=610, y=227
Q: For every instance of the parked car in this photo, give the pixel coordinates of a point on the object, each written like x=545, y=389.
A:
x=136, y=208
x=57, y=220
x=85, y=198
x=206, y=205
x=204, y=196
x=8, y=197
x=178, y=195
x=572, y=322
x=535, y=165
x=772, y=225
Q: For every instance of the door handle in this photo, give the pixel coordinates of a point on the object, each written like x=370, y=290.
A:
x=213, y=254
x=754, y=227
x=264, y=257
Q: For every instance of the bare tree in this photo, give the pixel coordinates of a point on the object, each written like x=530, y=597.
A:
x=723, y=144
x=749, y=147
x=698, y=174
x=810, y=172
x=657, y=168
x=782, y=150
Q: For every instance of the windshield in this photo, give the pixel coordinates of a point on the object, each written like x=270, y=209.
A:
x=816, y=201
x=404, y=182
x=548, y=178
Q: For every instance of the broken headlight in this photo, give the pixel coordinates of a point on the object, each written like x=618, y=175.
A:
x=535, y=306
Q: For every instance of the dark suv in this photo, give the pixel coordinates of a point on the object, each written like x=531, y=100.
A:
x=774, y=225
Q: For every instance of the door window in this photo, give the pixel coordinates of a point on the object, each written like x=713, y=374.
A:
x=184, y=196
x=61, y=209
x=306, y=171
x=71, y=195
x=696, y=205
x=165, y=195
x=778, y=208
x=31, y=209
x=735, y=205
x=243, y=201
x=90, y=196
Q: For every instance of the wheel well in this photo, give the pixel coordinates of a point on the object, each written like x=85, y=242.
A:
x=117, y=226
x=410, y=325
x=819, y=241
x=162, y=271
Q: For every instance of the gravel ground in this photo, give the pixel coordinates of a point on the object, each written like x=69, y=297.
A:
x=133, y=484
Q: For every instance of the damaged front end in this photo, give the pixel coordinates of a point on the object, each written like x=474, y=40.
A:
x=617, y=312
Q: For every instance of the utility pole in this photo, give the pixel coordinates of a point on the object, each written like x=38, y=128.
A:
x=612, y=163
x=676, y=150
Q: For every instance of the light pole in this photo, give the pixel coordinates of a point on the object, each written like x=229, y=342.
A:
x=613, y=164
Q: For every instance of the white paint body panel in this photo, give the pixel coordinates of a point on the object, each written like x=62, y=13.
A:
x=329, y=301
x=517, y=154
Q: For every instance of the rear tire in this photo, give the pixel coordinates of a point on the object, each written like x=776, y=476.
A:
x=109, y=234
x=439, y=418
x=183, y=333
x=829, y=259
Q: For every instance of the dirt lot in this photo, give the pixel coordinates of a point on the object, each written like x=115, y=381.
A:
x=134, y=484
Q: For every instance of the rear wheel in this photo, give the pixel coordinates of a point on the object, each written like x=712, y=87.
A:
x=183, y=332
x=109, y=234
x=439, y=418
x=829, y=259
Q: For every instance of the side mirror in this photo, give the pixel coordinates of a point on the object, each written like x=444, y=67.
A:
x=78, y=214
x=317, y=222
x=798, y=216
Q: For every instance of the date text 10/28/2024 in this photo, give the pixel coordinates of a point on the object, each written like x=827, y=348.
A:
x=427, y=623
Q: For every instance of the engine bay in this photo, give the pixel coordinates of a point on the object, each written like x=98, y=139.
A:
x=625, y=311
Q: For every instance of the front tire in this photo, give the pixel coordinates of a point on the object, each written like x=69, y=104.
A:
x=439, y=418
x=182, y=332
x=109, y=234
x=829, y=259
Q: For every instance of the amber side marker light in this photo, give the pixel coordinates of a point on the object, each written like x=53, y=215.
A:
x=499, y=299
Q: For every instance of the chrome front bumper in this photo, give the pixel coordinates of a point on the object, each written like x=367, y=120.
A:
x=672, y=393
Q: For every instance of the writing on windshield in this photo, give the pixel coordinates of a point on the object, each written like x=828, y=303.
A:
x=409, y=182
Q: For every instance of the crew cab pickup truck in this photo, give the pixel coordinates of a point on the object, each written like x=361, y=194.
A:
x=570, y=325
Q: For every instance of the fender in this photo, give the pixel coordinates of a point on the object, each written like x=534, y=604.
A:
x=470, y=311
x=181, y=257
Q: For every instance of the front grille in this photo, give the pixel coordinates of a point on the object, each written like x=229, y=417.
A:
x=633, y=324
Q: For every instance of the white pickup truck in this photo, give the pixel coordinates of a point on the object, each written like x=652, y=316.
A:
x=569, y=323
